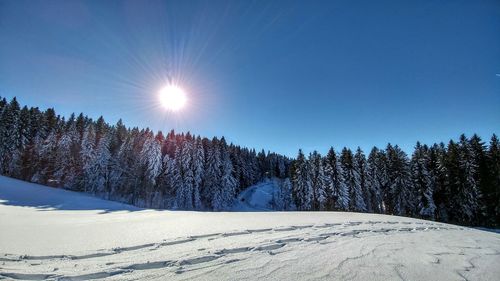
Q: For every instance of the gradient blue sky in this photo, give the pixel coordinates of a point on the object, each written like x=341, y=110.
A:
x=279, y=75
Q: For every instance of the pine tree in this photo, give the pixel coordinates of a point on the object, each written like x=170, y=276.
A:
x=49, y=123
x=10, y=137
x=138, y=181
x=440, y=178
x=212, y=172
x=468, y=191
x=88, y=156
x=119, y=169
x=118, y=137
x=28, y=159
x=17, y=162
x=170, y=179
x=400, y=186
x=281, y=168
x=100, y=129
x=102, y=163
x=151, y=158
x=225, y=194
x=64, y=172
x=282, y=198
x=317, y=176
x=337, y=192
x=423, y=183
x=481, y=177
x=185, y=176
x=376, y=179
x=46, y=150
x=301, y=183
x=328, y=183
x=3, y=103
x=251, y=172
x=492, y=194
x=198, y=172
x=360, y=167
x=352, y=180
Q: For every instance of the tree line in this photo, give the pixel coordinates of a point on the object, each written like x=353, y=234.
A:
x=139, y=167
x=458, y=182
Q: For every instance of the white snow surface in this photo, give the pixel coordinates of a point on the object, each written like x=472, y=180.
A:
x=258, y=197
x=52, y=234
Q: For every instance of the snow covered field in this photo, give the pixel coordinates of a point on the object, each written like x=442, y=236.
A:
x=48, y=233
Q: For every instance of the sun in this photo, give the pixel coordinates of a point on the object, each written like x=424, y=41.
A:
x=172, y=97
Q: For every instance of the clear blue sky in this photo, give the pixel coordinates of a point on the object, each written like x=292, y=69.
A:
x=279, y=75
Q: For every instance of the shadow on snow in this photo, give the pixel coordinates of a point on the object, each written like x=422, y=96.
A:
x=15, y=192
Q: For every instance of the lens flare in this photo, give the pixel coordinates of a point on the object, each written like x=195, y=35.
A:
x=173, y=97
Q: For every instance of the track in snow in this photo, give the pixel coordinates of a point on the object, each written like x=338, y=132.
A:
x=46, y=238
x=209, y=252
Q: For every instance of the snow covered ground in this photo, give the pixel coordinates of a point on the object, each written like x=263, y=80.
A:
x=48, y=233
x=256, y=198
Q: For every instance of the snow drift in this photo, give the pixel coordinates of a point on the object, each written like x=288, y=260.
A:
x=53, y=234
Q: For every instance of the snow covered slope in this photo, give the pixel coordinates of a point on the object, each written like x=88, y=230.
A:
x=47, y=233
x=20, y=193
x=256, y=198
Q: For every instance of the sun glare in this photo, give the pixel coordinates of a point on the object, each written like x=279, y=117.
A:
x=172, y=97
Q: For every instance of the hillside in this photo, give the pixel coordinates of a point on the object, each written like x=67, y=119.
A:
x=454, y=183
x=258, y=197
x=51, y=234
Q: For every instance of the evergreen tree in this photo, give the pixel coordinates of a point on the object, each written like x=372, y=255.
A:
x=100, y=129
x=88, y=156
x=337, y=193
x=263, y=164
x=3, y=103
x=492, y=192
x=198, y=172
x=318, y=191
x=481, y=176
x=185, y=176
x=212, y=172
x=170, y=179
x=49, y=123
x=328, y=184
x=151, y=158
x=423, y=183
x=118, y=137
x=440, y=178
x=28, y=161
x=283, y=200
x=225, y=194
x=101, y=168
x=400, y=185
x=65, y=173
x=301, y=183
x=281, y=167
x=151, y=164
x=376, y=179
x=353, y=181
x=24, y=134
x=467, y=191
x=458, y=183
x=46, y=150
x=360, y=166
x=10, y=137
